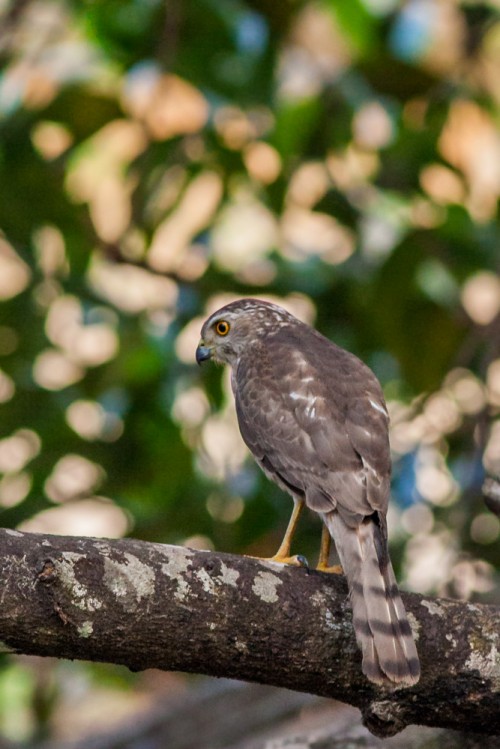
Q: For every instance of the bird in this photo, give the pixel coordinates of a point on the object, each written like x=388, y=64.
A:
x=314, y=417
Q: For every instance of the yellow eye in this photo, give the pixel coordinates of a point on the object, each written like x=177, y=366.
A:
x=222, y=327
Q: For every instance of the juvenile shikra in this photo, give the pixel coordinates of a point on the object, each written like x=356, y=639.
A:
x=314, y=417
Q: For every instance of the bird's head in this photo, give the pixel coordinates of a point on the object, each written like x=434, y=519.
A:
x=230, y=330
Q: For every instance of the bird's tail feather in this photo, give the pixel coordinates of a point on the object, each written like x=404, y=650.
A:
x=379, y=617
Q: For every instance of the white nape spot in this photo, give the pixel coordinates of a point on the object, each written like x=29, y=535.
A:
x=378, y=407
x=296, y=396
x=307, y=379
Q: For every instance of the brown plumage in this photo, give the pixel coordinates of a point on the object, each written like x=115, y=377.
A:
x=315, y=419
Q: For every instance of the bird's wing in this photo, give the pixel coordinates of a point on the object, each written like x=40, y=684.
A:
x=315, y=419
x=304, y=422
x=367, y=424
x=354, y=417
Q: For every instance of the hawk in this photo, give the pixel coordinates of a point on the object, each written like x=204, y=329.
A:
x=314, y=417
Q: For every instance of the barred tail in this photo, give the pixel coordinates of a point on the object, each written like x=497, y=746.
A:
x=380, y=623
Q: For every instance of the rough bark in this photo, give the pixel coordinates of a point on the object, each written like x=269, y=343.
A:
x=151, y=606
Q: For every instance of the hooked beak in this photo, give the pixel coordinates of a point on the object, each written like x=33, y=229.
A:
x=202, y=353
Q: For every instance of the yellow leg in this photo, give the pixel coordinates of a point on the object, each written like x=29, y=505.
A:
x=324, y=554
x=283, y=553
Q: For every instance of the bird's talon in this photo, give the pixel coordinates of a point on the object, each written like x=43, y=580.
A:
x=297, y=560
x=302, y=561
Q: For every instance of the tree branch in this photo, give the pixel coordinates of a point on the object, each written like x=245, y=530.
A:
x=151, y=606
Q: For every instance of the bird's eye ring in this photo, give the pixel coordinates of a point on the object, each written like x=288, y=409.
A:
x=222, y=327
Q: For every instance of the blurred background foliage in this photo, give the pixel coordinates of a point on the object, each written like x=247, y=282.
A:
x=157, y=159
